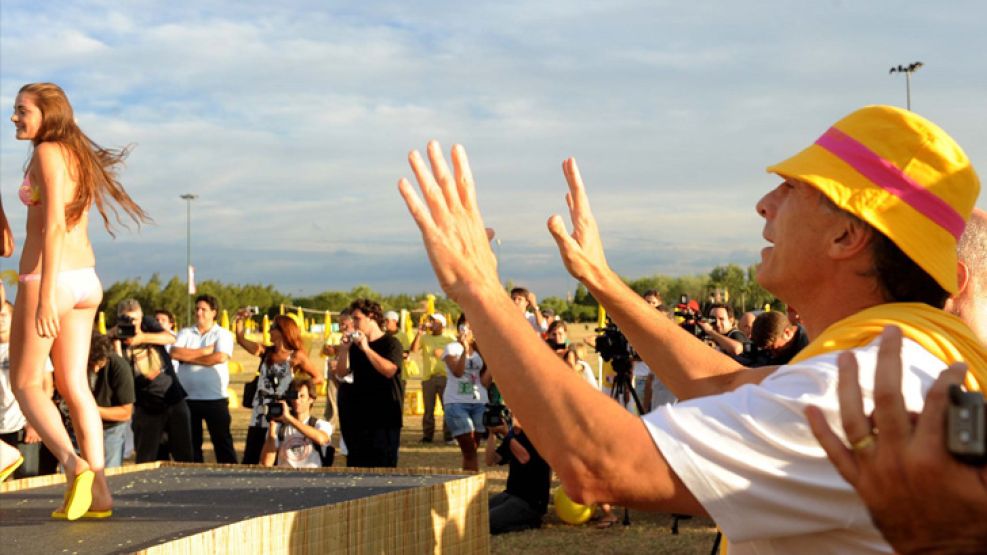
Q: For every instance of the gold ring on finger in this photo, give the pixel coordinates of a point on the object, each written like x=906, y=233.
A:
x=863, y=443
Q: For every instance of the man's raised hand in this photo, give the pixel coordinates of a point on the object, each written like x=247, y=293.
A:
x=582, y=251
x=449, y=219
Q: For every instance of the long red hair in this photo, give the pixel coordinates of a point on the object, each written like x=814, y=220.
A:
x=290, y=333
x=95, y=166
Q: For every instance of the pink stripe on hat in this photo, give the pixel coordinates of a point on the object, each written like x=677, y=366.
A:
x=887, y=176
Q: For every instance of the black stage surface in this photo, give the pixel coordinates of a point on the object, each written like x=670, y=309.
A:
x=166, y=503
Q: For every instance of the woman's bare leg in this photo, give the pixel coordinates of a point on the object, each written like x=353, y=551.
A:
x=467, y=444
x=70, y=355
x=28, y=355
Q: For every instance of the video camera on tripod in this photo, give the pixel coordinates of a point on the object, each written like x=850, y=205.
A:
x=613, y=347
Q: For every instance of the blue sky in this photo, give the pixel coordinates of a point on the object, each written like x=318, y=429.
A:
x=292, y=121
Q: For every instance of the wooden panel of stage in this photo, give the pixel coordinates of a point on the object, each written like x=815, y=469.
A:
x=173, y=508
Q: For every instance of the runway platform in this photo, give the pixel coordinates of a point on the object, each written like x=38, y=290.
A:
x=171, y=508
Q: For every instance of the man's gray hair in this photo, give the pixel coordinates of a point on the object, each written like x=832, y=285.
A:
x=128, y=305
x=972, y=249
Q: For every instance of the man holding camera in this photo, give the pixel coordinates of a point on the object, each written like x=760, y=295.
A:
x=203, y=350
x=370, y=407
x=295, y=438
x=160, y=410
x=862, y=232
x=723, y=331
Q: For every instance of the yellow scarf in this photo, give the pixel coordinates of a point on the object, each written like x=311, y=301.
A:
x=945, y=336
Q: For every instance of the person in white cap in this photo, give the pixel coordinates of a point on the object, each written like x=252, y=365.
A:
x=431, y=340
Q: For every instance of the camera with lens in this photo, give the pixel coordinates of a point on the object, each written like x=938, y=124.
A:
x=613, y=347
x=691, y=316
x=126, y=328
x=272, y=401
x=496, y=415
x=966, y=426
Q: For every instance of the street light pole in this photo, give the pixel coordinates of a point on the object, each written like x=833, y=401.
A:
x=908, y=71
x=188, y=198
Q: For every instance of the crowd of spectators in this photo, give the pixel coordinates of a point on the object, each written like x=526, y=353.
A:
x=135, y=382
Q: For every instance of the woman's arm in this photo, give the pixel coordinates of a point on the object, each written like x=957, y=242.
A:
x=251, y=347
x=7, y=244
x=457, y=364
x=51, y=170
x=300, y=361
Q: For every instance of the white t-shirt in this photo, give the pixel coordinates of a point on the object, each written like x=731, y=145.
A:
x=298, y=451
x=11, y=417
x=749, y=457
x=533, y=320
x=467, y=388
x=640, y=369
x=205, y=383
x=586, y=373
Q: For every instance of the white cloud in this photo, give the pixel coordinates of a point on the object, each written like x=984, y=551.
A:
x=292, y=122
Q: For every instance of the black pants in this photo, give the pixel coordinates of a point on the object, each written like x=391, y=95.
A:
x=216, y=414
x=510, y=513
x=256, y=436
x=150, y=427
x=372, y=447
x=38, y=460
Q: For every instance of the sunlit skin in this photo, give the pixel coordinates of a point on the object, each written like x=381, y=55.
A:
x=47, y=312
x=164, y=321
x=724, y=323
x=297, y=417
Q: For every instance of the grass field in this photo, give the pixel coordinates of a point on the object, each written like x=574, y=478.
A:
x=648, y=532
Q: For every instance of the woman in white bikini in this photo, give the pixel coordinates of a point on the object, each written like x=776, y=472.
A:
x=59, y=292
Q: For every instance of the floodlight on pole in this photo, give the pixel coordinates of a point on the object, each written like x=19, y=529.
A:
x=908, y=71
x=188, y=198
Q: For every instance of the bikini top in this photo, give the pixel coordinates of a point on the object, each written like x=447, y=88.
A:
x=29, y=193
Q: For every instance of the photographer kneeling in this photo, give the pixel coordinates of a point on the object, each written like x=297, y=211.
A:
x=294, y=437
x=524, y=501
x=278, y=363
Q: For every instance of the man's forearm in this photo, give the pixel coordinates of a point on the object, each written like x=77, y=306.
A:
x=688, y=367
x=382, y=365
x=561, y=411
x=207, y=360
x=156, y=338
x=342, y=365
x=311, y=432
x=120, y=413
x=726, y=344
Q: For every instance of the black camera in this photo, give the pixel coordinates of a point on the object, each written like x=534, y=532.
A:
x=125, y=328
x=613, y=347
x=496, y=415
x=966, y=427
x=272, y=401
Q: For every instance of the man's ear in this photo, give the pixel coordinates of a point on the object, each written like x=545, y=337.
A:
x=850, y=239
x=962, y=277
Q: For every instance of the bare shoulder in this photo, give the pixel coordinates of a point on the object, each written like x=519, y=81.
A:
x=49, y=157
x=50, y=149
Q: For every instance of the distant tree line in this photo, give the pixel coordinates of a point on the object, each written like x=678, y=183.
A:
x=731, y=282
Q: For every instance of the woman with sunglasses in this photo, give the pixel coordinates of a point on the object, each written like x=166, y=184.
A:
x=279, y=362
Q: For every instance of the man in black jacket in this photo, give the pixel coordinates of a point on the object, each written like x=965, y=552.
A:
x=160, y=410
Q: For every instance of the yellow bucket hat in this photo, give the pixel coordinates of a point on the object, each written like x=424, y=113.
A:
x=900, y=173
